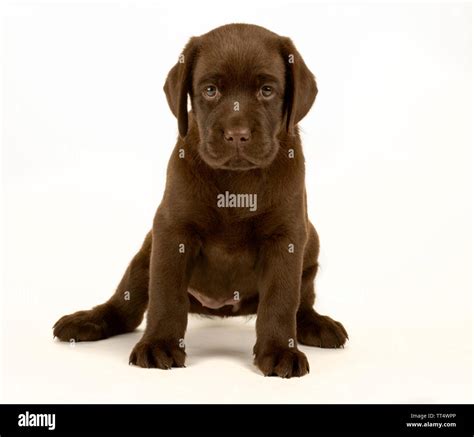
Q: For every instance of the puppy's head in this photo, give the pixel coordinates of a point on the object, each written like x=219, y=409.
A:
x=247, y=85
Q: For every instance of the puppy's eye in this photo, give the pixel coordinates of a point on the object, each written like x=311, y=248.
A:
x=210, y=92
x=266, y=91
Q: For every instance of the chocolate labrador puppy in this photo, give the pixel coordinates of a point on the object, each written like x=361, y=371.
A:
x=231, y=236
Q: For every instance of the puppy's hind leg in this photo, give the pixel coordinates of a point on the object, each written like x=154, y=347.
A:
x=123, y=312
x=314, y=329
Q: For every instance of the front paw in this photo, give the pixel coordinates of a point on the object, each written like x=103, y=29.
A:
x=158, y=354
x=282, y=362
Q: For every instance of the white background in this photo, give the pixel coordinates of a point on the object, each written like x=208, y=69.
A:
x=86, y=138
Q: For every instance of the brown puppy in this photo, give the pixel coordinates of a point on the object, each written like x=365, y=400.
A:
x=231, y=235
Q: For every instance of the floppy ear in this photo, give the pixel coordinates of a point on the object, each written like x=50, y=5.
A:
x=179, y=84
x=301, y=86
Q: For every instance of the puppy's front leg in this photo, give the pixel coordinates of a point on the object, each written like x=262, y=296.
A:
x=172, y=255
x=276, y=352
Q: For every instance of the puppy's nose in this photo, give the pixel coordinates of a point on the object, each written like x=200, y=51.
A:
x=237, y=135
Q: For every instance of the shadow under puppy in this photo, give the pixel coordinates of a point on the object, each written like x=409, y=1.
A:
x=231, y=236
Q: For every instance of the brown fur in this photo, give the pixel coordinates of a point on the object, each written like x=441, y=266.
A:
x=227, y=249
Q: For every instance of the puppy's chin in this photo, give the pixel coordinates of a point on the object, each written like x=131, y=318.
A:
x=237, y=161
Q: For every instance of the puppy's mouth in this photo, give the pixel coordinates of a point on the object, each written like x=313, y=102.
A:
x=238, y=163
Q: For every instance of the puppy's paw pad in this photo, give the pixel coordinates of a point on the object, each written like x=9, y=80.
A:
x=80, y=326
x=321, y=331
x=160, y=355
x=285, y=363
